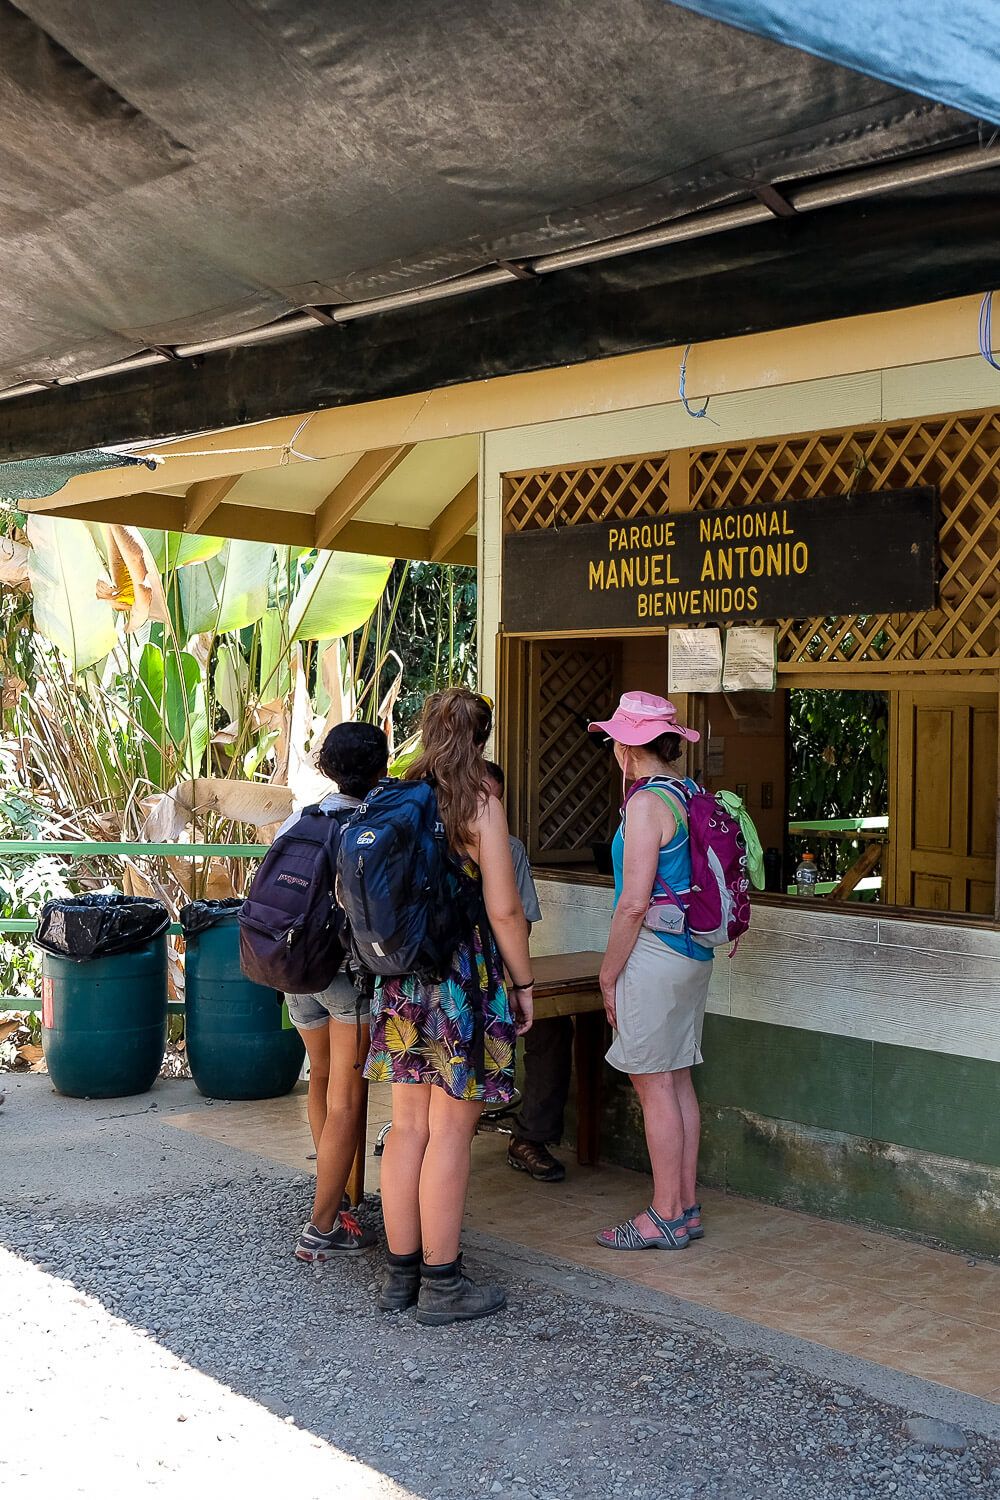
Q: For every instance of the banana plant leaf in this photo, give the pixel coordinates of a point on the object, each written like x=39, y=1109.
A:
x=149, y=710
x=337, y=595
x=65, y=569
x=186, y=709
x=175, y=549
x=172, y=710
x=275, y=673
x=13, y=561
x=228, y=591
x=232, y=680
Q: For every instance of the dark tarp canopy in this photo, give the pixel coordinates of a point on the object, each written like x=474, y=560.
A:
x=220, y=167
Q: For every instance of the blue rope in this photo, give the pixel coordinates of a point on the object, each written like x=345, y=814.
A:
x=682, y=391
x=986, y=330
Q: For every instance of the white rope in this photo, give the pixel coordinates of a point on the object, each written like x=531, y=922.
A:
x=290, y=447
x=287, y=450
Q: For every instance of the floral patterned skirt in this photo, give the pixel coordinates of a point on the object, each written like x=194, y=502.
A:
x=426, y=1033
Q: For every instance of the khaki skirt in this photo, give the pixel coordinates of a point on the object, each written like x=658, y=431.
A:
x=660, y=1000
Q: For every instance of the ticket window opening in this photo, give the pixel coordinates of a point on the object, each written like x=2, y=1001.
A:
x=916, y=771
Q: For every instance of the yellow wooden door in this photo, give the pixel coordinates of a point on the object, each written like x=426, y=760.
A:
x=943, y=806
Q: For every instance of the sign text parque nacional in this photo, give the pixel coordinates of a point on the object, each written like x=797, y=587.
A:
x=863, y=554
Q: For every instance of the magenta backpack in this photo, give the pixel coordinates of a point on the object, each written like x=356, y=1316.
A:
x=717, y=907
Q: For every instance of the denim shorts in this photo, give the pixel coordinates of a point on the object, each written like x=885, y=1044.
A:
x=338, y=1003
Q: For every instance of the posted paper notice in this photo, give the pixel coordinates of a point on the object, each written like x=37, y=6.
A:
x=695, y=661
x=751, y=657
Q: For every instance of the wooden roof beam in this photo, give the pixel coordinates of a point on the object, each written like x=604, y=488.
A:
x=410, y=542
x=145, y=508
x=458, y=517
x=204, y=497
x=357, y=486
x=253, y=523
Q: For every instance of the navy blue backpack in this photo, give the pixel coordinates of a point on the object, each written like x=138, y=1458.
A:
x=409, y=904
x=292, y=936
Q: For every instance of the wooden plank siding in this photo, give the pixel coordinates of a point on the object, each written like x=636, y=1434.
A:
x=943, y=801
x=902, y=982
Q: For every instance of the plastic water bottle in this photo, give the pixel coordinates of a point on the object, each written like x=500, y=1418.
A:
x=806, y=876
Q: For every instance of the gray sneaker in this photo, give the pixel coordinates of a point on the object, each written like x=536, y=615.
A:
x=345, y=1238
x=455, y=1299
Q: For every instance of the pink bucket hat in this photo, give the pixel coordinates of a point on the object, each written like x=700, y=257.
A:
x=641, y=717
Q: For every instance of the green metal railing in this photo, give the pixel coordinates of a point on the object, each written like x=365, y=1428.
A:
x=87, y=848
x=78, y=847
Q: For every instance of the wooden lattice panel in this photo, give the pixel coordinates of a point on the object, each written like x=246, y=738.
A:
x=593, y=492
x=571, y=787
x=959, y=454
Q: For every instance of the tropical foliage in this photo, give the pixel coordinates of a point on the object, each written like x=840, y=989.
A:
x=434, y=633
x=838, y=755
x=163, y=687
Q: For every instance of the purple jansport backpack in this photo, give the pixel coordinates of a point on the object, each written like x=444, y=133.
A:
x=717, y=907
x=292, y=930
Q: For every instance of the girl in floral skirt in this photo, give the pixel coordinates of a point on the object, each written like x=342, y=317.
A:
x=448, y=1049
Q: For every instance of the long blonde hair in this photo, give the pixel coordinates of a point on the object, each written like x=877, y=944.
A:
x=454, y=727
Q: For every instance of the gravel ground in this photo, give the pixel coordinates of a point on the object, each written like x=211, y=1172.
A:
x=172, y=1342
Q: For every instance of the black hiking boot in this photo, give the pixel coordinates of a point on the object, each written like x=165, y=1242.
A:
x=456, y=1298
x=399, y=1288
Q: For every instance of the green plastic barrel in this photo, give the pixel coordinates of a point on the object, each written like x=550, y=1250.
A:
x=236, y=1044
x=104, y=1021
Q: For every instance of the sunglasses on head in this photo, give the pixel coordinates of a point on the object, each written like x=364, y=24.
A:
x=488, y=730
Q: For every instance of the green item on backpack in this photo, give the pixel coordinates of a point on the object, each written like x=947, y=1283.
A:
x=755, y=854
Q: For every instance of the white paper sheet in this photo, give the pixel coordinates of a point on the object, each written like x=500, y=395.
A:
x=751, y=658
x=695, y=661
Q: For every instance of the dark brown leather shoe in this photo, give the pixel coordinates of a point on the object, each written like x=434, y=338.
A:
x=536, y=1160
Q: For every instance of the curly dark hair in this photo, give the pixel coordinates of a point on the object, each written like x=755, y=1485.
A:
x=495, y=772
x=355, y=756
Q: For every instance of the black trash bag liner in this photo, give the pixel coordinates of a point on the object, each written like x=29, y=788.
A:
x=99, y=924
x=198, y=916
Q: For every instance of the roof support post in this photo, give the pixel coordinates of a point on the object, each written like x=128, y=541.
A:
x=458, y=516
x=357, y=486
x=204, y=497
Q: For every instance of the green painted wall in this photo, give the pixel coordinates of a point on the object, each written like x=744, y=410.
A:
x=929, y=1101
x=836, y=1175
x=851, y=1129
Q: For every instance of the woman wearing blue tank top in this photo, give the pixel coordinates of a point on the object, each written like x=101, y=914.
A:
x=655, y=981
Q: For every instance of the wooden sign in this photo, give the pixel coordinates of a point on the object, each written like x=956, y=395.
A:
x=864, y=554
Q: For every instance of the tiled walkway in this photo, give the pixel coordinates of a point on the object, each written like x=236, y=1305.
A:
x=925, y=1312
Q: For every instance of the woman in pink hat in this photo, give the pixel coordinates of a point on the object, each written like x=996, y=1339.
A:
x=655, y=980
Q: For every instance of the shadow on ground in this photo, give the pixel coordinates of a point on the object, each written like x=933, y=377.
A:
x=157, y=1329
